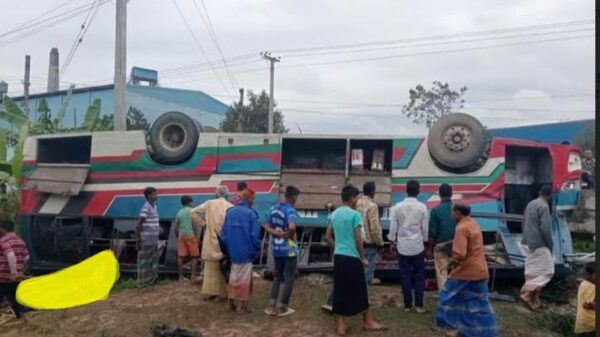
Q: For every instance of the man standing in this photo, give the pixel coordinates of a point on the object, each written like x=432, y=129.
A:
x=13, y=257
x=588, y=165
x=213, y=285
x=373, y=237
x=441, y=234
x=241, y=186
x=146, y=235
x=282, y=227
x=187, y=237
x=464, y=308
x=537, y=236
x=241, y=236
x=409, y=231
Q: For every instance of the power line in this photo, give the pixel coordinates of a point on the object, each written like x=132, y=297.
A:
x=189, y=28
x=79, y=38
x=49, y=22
x=28, y=23
x=211, y=32
x=429, y=44
x=435, y=37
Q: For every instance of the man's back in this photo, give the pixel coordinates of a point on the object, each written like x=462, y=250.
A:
x=11, y=242
x=409, y=219
x=468, y=243
x=241, y=233
x=537, y=225
x=369, y=211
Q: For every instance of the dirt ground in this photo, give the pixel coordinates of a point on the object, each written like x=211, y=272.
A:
x=132, y=312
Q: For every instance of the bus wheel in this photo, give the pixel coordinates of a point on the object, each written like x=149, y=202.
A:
x=457, y=142
x=173, y=138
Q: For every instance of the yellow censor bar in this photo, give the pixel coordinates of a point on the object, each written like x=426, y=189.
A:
x=86, y=282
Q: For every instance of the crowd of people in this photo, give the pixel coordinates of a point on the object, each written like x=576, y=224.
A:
x=447, y=234
x=232, y=241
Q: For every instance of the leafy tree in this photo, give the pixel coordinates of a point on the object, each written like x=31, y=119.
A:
x=136, y=120
x=586, y=139
x=44, y=123
x=253, y=117
x=92, y=120
x=427, y=106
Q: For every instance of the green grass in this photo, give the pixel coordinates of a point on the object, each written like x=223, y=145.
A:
x=583, y=243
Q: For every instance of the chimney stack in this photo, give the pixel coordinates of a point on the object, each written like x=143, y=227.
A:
x=53, y=71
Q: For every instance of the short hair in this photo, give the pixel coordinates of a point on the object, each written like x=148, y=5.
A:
x=369, y=188
x=186, y=199
x=149, y=190
x=565, y=142
x=291, y=191
x=7, y=225
x=590, y=267
x=546, y=190
x=222, y=191
x=412, y=188
x=242, y=185
x=445, y=191
x=348, y=192
x=462, y=208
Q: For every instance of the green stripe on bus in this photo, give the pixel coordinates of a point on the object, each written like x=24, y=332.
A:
x=453, y=179
x=245, y=149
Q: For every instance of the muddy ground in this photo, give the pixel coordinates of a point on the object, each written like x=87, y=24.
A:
x=132, y=312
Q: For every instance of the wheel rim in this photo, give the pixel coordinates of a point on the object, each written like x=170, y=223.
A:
x=173, y=136
x=457, y=138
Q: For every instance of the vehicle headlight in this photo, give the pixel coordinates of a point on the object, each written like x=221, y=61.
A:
x=574, y=162
x=571, y=185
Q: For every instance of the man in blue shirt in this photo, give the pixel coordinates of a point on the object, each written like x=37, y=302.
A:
x=282, y=227
x=241, y=236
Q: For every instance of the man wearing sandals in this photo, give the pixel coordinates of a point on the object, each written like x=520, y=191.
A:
x=282, y=227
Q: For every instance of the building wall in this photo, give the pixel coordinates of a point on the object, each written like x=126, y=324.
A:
x=152, y=101
x=548, y=133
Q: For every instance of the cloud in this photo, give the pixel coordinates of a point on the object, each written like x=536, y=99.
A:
x=510, y=75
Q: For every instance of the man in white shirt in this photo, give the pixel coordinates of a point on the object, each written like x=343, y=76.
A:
x=409, y=232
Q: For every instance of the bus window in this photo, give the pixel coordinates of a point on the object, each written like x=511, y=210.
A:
x=526, y=170
x=313, y=155
x=375, y=155
x=317, y=167
x=64, y=150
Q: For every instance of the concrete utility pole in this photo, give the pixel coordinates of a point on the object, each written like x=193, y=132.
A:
x=53, y=79
x=267, y=56
x=239, y=123
x=120, y=115
x=26, y=84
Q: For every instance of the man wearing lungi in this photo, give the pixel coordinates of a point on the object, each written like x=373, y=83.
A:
x=146, y=234
x=241, y=236
x=537, y=236
x=464, y=308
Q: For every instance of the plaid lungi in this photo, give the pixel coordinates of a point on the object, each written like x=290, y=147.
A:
x=465, y=307
x=147, y=266
x=213, y=282
x=240, y=281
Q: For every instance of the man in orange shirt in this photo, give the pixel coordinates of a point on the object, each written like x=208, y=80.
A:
x=464, y=308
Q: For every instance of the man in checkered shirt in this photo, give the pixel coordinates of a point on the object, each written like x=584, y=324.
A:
x=13, y=258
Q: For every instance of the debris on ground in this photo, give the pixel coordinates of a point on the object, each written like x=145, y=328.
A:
x=385, y=300
x=170, y=331
x=318, y=280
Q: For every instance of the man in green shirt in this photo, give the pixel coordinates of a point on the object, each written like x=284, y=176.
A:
x=187, y=237
x=441, y=234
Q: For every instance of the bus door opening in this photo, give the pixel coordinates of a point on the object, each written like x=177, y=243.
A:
x=526, y=170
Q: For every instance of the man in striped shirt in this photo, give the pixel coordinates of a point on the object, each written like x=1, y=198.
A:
x=13, y=258
x=146, y=232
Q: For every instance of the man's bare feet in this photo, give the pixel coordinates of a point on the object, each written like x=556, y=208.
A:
x=340, y=327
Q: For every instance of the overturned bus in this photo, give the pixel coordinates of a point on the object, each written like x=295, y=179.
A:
x=82, y=192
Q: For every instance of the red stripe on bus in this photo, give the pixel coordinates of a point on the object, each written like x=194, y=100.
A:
x=134, y=155
x=435, y=187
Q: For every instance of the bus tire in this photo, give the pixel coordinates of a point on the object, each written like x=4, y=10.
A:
x=173, y=138
x=457, y=141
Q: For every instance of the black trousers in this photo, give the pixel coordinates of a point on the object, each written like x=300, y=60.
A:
x=9, y=291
